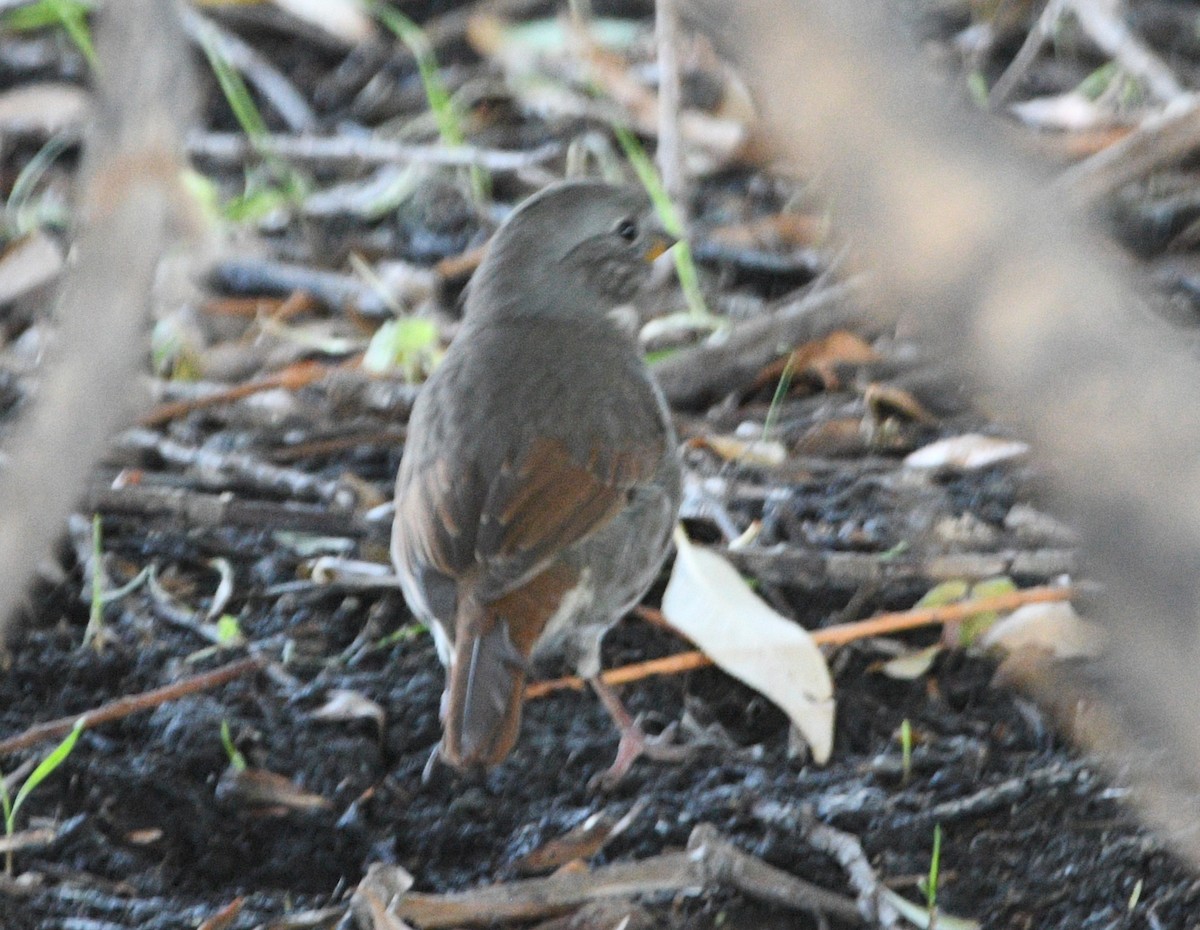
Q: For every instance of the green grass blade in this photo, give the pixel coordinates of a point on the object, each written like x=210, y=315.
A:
x=48, y=765
x=781, y=389
x=70, y=15
x=236, y=93
x=17, y=209
x=446, y=113
x=935, y=864
x=685, y=265
x=236, y=760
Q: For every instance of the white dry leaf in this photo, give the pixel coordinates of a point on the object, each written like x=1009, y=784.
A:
x=1070, y=111
x=761, y=453
x=351, y=573
x=968, y=452
x=1054, y=628
x=342, y=704
x=910, y=666
x=377, y=894
x=708, y=602
x=920, y=917
x=32, y=262
x=44, y=109
x=342, y=19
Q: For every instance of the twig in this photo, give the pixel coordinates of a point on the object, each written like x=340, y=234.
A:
x=291, y=378
x=329, y=151
x=710, y=860
x=288, y=102
x=732, y=357
x=1027, y=54
x=1104, y=27
x=881, y=625
x=337, y=292
x=848, y=851
x=810, y=568
x=128, y=214
x=670, y=149
x=131, y=704
x=1161, y=140
x=219, y=469
x=1054, y=777
x=194, y=508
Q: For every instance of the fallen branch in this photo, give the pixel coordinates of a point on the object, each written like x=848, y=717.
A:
x=710, y=860
x=731, y=358
x=291, y=378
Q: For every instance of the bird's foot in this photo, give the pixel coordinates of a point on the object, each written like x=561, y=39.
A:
x=635, y=742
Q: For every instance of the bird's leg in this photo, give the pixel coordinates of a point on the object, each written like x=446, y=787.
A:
x=634, y=740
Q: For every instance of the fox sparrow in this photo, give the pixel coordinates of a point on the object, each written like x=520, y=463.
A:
x=540, y=479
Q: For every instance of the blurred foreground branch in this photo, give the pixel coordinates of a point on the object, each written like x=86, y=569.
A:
x=973, y=246
x=125, y=217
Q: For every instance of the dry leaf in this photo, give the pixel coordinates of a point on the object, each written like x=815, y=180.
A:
x=224, y=917
x=764, y=453
x=580, y=842
x=372, y=899
x=885, y=401
x=1071, y=110
x=342, y=19
x=708, y=602
x=968, y=452
x=29, y=263
x=1053, y=628
x=263, y=788
x=819, y=359
x=341, y=704
x=44, y=109
x=911, y=665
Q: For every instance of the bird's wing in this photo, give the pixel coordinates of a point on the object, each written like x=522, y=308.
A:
x=453, y=528
x=480, y=556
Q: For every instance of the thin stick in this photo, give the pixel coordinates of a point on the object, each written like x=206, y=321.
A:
x=670, y=150
x=291, y=378
x=838, y=635
x=131, y=704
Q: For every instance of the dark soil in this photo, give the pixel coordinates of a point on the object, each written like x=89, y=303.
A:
x=150, y=833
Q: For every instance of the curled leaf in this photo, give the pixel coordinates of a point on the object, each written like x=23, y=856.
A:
x=708, y=602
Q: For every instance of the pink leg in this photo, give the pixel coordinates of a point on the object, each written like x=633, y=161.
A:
x=634, y=741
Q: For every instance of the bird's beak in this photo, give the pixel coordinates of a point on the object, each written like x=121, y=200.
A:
x=659, y=243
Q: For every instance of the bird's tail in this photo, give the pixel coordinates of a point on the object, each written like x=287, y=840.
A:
x=482, y=713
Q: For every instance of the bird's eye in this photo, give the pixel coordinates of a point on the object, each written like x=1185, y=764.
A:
x=627, y=230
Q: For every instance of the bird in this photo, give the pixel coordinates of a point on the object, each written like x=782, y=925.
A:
x=540, y=479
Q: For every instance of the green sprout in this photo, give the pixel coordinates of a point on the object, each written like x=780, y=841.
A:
x=906, y=746
x=404, y=634
x=256, y=202
x=44, y=769
x=70, y=15
x=685, y=265
x=931, y=882
x=236, y=760
x=446, y=113
x=781, y=389
x=229, y=631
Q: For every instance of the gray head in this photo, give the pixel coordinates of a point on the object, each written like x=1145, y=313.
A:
x=574, y=246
